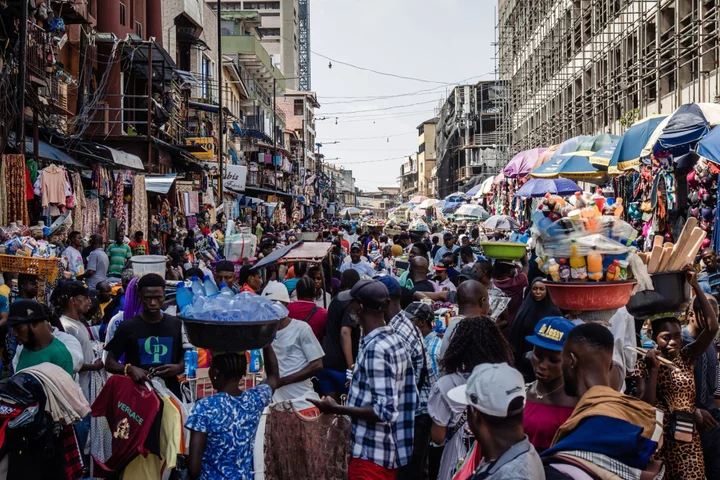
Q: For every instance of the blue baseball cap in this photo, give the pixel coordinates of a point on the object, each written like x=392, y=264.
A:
x=391, y=283
x=550, y=333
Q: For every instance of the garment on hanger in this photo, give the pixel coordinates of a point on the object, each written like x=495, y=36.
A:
x=52, y=186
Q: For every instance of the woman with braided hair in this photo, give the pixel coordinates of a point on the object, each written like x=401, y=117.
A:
x=476, y=340
x=223, y=426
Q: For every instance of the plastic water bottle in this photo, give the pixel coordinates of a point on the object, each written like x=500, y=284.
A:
x=210, y=288
x=189, y=365
x=254, y=361
x=195, y=360
x=225, y=290
x=197, y=287
x=184, y=296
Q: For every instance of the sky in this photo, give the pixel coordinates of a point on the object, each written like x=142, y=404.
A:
x=443, y=41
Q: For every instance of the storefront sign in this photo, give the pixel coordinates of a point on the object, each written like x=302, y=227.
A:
x=235, y=177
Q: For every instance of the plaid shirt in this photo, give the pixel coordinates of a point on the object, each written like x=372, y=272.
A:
x=415, y=347
x=384, y=379
x=432, y=344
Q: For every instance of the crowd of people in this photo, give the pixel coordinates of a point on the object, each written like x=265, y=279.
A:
x=450, y=365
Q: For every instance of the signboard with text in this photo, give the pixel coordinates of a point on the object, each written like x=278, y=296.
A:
x=235, y=177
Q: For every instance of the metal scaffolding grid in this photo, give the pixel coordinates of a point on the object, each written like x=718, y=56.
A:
x=592, y=66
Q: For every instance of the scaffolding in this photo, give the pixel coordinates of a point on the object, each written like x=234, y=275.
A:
x=594, y=66
x=304, y=45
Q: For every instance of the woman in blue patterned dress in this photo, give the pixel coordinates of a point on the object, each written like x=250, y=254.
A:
x=223, y=426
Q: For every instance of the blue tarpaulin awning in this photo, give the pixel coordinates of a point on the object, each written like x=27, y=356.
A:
x=159, y=183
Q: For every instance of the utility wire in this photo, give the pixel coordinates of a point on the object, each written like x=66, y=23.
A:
x=374, y=161
x=381, y=109
x=371, y=138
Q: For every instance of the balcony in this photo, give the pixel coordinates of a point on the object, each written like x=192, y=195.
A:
x=466, y=173
x=253, y=56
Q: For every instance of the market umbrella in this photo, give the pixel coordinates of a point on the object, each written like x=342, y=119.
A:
x=429, y=203
x=597, y=143
x=499, y=179
x=521, y=164
x=601, y=159
x=709, y=147
x=630, y=145
x=475, y=211
x=569, y=165
x=538, y=187
x=485, y=187
x=683, y=128
x=450, y=206
x=349, y=211
x=474, y=190
x=570, y=145
x=501, y=222
x=546, y=156
x=418, y=199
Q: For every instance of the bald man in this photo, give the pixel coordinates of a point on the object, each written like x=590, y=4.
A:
x=418, y=274
x=602, y=412
x=473, y=301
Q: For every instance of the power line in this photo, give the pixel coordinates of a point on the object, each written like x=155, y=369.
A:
x=414, y=132
x=379, y=72
x=382, y=109
x=374, y=161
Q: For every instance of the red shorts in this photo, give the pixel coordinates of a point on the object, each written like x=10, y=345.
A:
x=366, y=470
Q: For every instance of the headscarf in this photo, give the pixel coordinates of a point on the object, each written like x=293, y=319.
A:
x=132, y=307
x=528, y=315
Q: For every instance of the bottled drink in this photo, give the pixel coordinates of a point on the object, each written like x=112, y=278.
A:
x=254, y=361
x=225, y=290
x=618, y=207
x=184, y=297
x=623, y=273
x=197, y=287
x=195, y=360
x=599, y=199
x=554, y=270
x=189, y=365
x=613, y=271
x=210, y=288
x=564, y=271
x=578, y=267
x=594, y=266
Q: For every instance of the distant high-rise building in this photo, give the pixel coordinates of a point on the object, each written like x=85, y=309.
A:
x=279, y=32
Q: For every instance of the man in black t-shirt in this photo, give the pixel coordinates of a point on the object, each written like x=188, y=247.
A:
x=418, y=275
x=151, y=341
x=341, y=340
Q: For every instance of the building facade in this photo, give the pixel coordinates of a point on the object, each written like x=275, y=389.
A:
x=426, y=156
x=278, y=31
x=469, y=143
x=408, y=178
x=592, y=67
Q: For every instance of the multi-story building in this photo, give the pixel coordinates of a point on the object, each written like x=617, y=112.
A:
x=468, y=142
x=299, y=108
x=582, y=67
x=408, y=179
x=426, y=156
x=279, y=31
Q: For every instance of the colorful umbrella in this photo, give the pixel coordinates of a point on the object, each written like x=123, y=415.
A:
x=709, y=147
x=475, y=211
x=485, y=187
x=571, y=145
x=570, y=165
x=456, y=197
x=474, y=190
x=597, y=143
x=683, y=128
x=418, y=199
x=630, y=145
x=349, y=211
x=501, y=222
x=522, y=163
x=499, y=179
x=450, y=206
x=546, y=156
x=538, y=187
x=601, y=160
x=429, y=203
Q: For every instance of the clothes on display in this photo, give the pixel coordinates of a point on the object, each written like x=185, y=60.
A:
x=17, y=209
x=54, y=188
x=139, y=211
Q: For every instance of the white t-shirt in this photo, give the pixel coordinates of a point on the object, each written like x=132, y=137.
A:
x=74, y=260
x=112, y=327
x=80, y=332
x=70, y=343
x=295, y=347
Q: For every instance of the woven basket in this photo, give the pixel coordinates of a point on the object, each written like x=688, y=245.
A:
x=46, y=268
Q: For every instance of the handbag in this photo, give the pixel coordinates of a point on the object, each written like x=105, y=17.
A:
x=682, y=426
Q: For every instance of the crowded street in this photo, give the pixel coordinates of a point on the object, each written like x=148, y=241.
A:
x=400, y=239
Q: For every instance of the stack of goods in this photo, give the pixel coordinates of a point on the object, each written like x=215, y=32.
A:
x=30, y=247
x=218, y=319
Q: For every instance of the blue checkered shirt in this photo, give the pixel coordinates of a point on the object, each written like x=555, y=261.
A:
x=432, y=344
x=384, y=379
x=414, y=344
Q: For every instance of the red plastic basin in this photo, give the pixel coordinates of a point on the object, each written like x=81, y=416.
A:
x=587, y=296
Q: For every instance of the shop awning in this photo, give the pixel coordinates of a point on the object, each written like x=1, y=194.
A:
x=267, y=190
x=209, y=107
x=251, y=133
x=47, y=151
x=126, y=159
x=187, y=78
x=160, y=183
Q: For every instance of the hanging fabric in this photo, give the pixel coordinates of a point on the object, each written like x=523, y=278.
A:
x=80, y=205
x=3, y=195
x=53, y=187
x=118, y=210
x=139, y=212
x=15, y=175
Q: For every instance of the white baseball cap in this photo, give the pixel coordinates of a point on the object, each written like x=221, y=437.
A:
x=491, y=389
x=276, y=291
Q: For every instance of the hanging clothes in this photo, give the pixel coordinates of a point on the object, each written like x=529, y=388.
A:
x=139, y=211
x=3, y=194
x=118, y=209
x=52, y=186
x=15, y=175
x=80, y=205
x=91, y=216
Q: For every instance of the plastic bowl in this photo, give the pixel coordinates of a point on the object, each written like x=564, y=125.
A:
x=672, y=294
x=504, y=250
x=589, y=296
x=230, y=336
x=144, y=264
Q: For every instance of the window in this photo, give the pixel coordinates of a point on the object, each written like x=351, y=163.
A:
x=206, y=74
x=269, y=32
x=298, y=106
x=139, y=29
x=123, y=20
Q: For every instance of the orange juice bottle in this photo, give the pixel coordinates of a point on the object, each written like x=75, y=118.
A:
x=554, y=270
x=613, y=272
x=594, y=266
x=618, y=207
x=578, y=267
